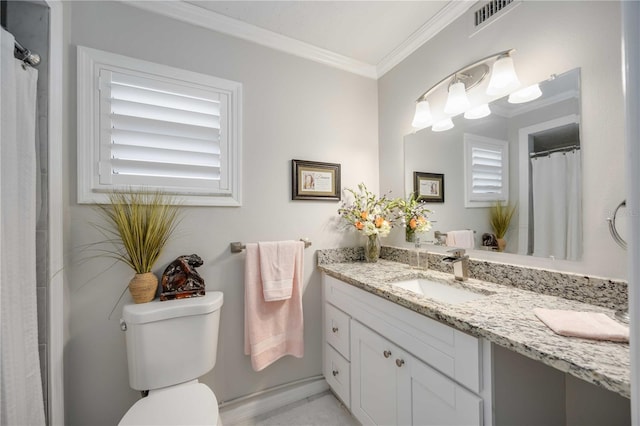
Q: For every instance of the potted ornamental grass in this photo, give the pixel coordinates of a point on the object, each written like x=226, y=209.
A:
x=137, y=226
x=500, y=216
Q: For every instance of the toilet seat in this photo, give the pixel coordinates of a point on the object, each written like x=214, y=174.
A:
x=190, y=403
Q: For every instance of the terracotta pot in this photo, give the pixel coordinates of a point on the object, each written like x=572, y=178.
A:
x=502, y=244
x=143, y=287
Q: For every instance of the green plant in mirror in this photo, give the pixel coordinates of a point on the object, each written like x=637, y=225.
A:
x=138, y=224
x=500, y=218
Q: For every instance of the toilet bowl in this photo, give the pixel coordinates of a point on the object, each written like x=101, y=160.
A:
x=169, y=345
x=185, y=404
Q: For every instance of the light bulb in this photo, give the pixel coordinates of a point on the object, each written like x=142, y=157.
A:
x=422, y=117
x=503, y=77
x=480, y=111
x=457, y=101
x=525, y=95
x=442, y=125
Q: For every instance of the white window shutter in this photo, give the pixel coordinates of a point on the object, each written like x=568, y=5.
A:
x=486, y=170
x=158, y=127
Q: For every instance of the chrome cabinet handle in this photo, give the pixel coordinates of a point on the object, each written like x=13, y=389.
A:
x=386, y=354
x=399, y=362
x=334, y=329
x=335, y=373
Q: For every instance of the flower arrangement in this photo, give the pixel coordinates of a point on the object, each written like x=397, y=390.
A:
x=369, y=214
x=414, y=215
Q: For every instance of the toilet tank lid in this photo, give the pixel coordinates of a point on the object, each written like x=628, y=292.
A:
x=158, y=311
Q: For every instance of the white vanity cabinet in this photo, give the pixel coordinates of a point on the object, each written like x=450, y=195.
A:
x=403, y=368
x=391, y=387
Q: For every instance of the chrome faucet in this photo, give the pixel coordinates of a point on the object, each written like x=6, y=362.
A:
x=460, y=263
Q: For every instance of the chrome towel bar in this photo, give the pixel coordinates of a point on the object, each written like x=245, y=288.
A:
x=237, y=247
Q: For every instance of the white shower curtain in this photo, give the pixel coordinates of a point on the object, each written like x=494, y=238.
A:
x=557, y=205
x=20, y=385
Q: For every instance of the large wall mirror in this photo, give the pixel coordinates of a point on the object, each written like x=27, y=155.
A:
x=544, y=171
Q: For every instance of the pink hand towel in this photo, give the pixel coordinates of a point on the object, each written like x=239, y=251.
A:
x=588, y=325
x=271, y=329
x=277, y=264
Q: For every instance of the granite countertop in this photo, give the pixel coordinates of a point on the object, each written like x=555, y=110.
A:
x=504, y=316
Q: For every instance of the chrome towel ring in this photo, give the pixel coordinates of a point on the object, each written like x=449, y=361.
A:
x=612, y=226
x=623, y=314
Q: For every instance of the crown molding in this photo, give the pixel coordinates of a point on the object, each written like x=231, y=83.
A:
x=201, y=17
x=452, y=11
x=214, y=21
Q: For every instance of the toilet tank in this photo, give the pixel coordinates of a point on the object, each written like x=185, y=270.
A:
x=171, y=342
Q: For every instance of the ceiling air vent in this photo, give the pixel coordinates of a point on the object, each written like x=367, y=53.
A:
x=489, y=11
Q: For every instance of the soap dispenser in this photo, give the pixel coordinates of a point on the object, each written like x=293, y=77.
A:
x=417, y=259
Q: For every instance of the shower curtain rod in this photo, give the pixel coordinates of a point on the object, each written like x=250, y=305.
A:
x=26, y=56
x=551, y=151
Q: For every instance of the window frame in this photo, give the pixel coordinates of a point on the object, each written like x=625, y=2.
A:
x=472, y=141
x=91, y=62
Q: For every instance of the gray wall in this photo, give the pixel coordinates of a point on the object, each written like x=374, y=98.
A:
x=293, y=108
x=550, y=37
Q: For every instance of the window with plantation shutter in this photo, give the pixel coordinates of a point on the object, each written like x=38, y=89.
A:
x=146, y=125
x=486, y=170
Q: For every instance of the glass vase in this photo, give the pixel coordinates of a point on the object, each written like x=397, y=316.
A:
x=372, y=248
x=409, y=235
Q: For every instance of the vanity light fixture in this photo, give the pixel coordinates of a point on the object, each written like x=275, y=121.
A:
x=422, y=117
x=480, y=111
x=503, y=80
x=442, y=125
x=457, y=100
x=525, y=95
x=503, y=76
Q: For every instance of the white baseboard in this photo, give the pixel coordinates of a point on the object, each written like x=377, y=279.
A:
x=270, y=401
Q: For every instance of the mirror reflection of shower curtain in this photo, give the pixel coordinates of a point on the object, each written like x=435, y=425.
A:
x=20, y=385
x=557, y=205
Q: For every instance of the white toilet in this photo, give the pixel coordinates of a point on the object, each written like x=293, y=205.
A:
x=169, y=345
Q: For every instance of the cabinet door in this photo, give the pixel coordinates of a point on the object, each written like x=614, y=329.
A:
x=373, y=377
x=430, y=398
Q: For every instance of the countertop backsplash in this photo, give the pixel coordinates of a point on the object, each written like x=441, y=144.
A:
x=612, y=294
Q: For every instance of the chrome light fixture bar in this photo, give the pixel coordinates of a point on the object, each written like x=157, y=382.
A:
x=503, y=78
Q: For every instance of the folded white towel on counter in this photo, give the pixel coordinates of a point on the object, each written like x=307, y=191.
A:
x=461, y=239
x=587, y=325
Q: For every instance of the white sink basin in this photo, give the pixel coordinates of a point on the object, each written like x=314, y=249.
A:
x=438, y=291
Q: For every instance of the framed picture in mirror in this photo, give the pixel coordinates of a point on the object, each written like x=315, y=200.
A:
x=429, y=187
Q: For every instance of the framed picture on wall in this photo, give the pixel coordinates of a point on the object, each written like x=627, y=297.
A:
x=429, y=187
x=312, y=180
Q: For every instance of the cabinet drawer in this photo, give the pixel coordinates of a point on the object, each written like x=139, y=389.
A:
x=336, y=329
x=337, y=374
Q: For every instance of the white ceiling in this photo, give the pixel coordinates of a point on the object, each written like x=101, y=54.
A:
x=366, y=31
x=364, y=37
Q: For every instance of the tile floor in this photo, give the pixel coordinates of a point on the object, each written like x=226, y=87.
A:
x=319, y=410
